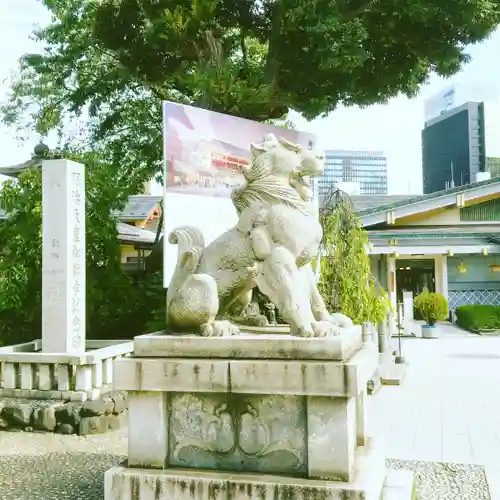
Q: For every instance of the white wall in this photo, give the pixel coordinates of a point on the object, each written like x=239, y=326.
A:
x=449, y=217
x=211, y=215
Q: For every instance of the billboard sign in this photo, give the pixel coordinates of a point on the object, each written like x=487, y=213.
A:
x=204, y=151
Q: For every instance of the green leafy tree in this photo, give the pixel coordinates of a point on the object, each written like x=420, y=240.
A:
x=347, y=283
x=111, y=62
x=106, y=65
x=115, y=307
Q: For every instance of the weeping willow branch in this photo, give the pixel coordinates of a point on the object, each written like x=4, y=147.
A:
x=346, y=281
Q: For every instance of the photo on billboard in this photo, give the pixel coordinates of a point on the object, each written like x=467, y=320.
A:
x=204, y=151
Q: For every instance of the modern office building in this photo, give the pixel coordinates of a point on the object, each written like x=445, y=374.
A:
x=453, y=147
x=366, y=168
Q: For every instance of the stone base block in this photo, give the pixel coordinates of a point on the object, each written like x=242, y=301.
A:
x=92, y=417
x=123, y=483
x=250, y=346
x=76, y=396
x=399, y=485
x=392, y=374
x=374, y=384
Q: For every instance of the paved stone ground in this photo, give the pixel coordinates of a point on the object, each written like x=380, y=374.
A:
x=448, y=409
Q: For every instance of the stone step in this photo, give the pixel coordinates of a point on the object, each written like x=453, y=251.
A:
x=392, y=374
x=398, y=485
x=127, y=483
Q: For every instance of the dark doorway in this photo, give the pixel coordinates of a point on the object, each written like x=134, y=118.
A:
x=414, y=275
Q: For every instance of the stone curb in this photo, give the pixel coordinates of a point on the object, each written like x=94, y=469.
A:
x=92, y=417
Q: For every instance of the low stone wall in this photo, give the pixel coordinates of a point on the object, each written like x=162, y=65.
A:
x=28, y=373
x=106, y=414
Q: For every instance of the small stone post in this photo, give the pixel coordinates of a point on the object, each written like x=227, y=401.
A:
x=366, y=332
x=383, y=334
x=399, y=358
x=373, y=329
x=408, y=306
x=63, y=257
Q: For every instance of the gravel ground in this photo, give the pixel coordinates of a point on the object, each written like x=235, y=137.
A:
x=50, y=466
x=444, y=481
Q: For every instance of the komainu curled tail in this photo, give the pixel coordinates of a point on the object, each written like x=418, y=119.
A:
x=192, y=299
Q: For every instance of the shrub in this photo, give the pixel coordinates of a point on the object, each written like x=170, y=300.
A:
x=432, y=306
x=478, y=317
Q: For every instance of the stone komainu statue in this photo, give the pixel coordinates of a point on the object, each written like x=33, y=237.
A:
x=271, y=247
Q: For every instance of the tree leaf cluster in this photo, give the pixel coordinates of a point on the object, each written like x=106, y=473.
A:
x=346, y=280
x=108, y=64
x=117, y=306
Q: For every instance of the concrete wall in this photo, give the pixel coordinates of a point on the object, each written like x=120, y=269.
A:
x=378, y=267
x=476, y=286
x=443, y=217
x=478, y=275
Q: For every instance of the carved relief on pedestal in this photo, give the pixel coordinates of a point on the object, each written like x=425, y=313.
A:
x=240, y=433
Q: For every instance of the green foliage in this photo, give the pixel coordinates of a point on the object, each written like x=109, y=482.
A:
x=478, y=317
x=106, y=66
x=432, y=306
x=339, y=46
x=113, y=302
x=20, y=259
x=346, y=281
x=110, y=63
x=153, y=304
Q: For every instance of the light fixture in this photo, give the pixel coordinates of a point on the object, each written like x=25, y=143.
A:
x=450, y=253
x=408, y=268
x=485, y=251
x=462, y=268
x=494, y=268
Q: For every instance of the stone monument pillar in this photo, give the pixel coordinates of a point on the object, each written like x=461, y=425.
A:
x=63, y=256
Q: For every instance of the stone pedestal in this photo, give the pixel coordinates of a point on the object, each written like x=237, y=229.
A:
x=247, y=417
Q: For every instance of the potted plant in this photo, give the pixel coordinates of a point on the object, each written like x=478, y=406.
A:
x=433, y=307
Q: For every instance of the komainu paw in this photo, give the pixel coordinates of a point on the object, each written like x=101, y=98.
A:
x=341, y=320
x=326, y=329
x=220, y=328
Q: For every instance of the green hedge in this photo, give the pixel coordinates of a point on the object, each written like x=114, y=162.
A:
x=478, y=317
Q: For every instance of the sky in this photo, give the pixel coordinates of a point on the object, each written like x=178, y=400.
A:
x=394, y=128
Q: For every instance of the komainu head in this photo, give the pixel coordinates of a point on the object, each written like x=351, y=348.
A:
x=279, y=173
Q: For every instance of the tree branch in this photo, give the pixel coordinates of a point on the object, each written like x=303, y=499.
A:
x=243, y=46
x=271, y=70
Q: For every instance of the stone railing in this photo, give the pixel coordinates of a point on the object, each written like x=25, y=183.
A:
x=28, y=373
